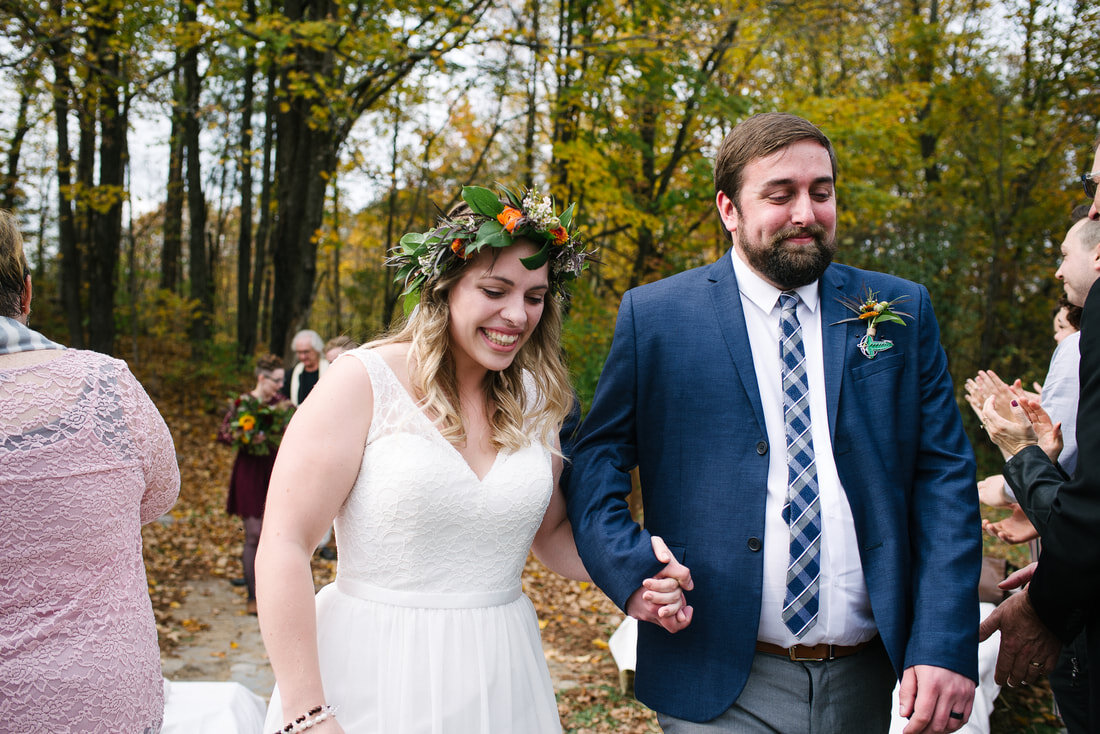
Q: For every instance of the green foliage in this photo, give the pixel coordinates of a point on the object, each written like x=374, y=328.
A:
x=586, y=339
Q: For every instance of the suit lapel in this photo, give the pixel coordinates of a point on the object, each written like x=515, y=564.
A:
x=834, y=337
x=726, y=297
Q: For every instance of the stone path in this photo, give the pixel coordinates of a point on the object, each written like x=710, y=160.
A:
x=229, y=649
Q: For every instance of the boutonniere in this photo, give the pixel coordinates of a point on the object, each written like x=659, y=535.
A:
x=870, y=309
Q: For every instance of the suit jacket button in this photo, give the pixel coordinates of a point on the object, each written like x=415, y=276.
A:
x=754, y=544
x=762, y=447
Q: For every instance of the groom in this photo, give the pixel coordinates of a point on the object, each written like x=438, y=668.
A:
x=821, y=495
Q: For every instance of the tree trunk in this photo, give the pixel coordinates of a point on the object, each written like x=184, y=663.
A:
x=261, y=289
x=305, y=161
x=926, y=75
x=392, y=290
x=106, y=218
x=646, y=189
x=173, y=205
x=198, y=267
x=246, y=319
x=67, y=237
x=334, y=279
x=532, y=100
x=9, y=198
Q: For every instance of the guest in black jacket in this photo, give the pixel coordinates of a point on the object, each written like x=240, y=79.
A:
x=1063, y=596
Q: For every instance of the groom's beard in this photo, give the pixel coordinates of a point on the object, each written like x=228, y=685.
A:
x=790, y=266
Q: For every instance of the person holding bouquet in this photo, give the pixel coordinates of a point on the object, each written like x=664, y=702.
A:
x=254, y=425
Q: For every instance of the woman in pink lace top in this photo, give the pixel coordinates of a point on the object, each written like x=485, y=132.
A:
x=85, y=460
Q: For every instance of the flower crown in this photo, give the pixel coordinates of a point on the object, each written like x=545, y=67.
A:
x=423, y=257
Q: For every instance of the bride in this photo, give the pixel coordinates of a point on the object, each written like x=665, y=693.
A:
x=435, y=449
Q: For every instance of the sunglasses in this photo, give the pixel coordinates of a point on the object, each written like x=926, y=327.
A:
x=1089, y=181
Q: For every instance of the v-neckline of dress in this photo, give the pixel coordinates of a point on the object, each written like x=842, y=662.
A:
x=435, y=428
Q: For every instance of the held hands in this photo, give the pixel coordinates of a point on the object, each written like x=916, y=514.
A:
x=660, y=599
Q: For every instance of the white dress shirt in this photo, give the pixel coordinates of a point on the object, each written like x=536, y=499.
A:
x=844, y=613
x=1061, y=393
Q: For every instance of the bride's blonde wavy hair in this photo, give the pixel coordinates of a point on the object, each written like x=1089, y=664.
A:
x=515, y=417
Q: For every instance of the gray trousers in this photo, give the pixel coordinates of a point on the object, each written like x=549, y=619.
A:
x=850, y=694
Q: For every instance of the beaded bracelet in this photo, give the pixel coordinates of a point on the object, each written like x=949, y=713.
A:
x=310, y=719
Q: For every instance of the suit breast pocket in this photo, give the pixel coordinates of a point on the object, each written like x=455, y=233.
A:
x=877, y=389
x=887, y=365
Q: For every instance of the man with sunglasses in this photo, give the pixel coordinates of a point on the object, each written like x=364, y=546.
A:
x=1062, y=595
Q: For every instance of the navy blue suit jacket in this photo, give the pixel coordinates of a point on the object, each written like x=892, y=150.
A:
x=678, y=399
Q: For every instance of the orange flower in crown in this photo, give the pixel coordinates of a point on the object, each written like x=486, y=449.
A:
x=458, y=247
x=560, y=235
x=510, y=218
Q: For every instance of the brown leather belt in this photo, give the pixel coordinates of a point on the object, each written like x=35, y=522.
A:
x=812, y=653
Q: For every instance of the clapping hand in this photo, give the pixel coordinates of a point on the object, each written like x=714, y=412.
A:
x=985, y=385
x=991, y=491
x=1027, y=424
x=661, y=599
x=1015, y=528
x=1047, y=432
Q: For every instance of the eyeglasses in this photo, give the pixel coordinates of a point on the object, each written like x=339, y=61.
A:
x=1089, y=180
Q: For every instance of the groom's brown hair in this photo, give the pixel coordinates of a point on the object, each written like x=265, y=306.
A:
x=757, y=137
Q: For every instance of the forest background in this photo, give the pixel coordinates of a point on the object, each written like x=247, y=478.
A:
x=197, y=180
x=300, y=139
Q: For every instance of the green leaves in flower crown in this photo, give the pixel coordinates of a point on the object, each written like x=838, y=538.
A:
x=494, y=220
x=482, y=201
x=566, y=216
x=536, y=261
x=491, y=234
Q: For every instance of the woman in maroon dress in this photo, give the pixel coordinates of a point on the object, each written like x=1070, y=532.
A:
x=257, y=433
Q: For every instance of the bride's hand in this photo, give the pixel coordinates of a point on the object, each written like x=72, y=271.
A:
x=661, y=598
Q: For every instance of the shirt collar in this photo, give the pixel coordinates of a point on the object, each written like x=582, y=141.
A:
x=764, y=294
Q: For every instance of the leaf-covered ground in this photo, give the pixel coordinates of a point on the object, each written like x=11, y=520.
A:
x=199, y=540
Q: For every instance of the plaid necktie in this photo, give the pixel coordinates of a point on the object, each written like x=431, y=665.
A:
x=802, y=512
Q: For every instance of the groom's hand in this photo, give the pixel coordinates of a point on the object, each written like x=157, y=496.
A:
x=935, y=700
x=661, y=599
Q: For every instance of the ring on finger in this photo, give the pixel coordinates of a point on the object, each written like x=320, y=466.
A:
x=957, y=715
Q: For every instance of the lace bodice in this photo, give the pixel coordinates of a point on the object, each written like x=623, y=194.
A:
x=85, y=460
x=419, y=519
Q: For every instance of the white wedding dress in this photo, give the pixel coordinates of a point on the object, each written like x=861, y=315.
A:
x=426, y=629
